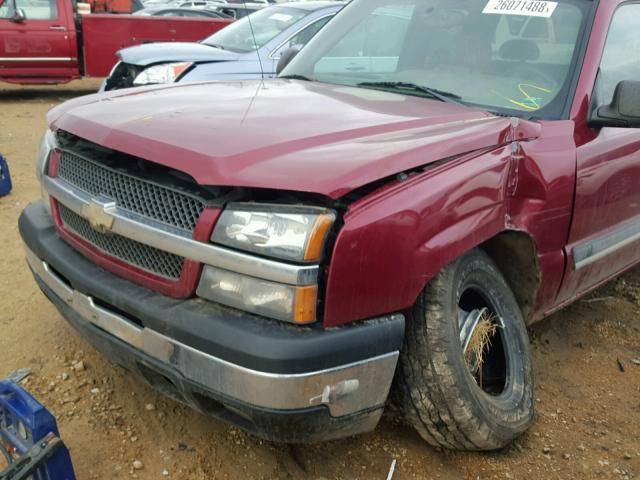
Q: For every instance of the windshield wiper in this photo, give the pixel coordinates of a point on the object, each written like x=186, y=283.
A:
x=441, y=95
x=297, y=77
x=215, y=45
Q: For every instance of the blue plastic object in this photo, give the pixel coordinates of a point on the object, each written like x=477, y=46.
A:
x=5, y=178
x=23, y=423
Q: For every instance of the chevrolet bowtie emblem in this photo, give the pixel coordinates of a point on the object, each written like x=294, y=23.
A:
x=96, y=213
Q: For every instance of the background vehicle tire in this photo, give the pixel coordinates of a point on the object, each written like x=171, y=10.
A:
x=454, y=399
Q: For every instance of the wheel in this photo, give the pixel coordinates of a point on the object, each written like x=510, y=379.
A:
x=465, y=379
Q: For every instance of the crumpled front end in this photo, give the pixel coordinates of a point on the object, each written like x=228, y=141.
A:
x=122, y=249
x=122, y=76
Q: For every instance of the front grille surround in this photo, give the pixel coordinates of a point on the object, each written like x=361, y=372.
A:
x=158, y=202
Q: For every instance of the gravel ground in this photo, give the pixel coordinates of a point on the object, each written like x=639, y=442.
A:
x=588, y=410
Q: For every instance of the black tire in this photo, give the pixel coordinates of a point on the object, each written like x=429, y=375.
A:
x=439, y=394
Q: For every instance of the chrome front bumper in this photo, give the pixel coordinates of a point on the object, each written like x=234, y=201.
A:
x=344, y=390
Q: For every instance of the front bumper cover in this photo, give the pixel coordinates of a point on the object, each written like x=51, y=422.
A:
x=264, y=376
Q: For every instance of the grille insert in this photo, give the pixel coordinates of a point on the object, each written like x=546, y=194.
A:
x=135, y=253
x=132, y=193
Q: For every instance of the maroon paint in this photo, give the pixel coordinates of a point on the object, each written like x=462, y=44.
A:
x=608, y=168
x=105, y=34
x=541, y=202
x=40, y=39
x=386, y=250
x=398, y=237
x=434, y=217
x=376, y=135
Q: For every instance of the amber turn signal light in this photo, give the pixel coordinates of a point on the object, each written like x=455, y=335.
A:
x=304, y=306
x=318, y=236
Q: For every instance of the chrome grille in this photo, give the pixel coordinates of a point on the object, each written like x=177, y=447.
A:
x=135, y=253
x=132, y=193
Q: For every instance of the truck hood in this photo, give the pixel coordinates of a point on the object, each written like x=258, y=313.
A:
x=280, y=134
x=152, y=53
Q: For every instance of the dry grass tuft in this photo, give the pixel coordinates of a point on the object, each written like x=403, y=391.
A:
x=480, y=340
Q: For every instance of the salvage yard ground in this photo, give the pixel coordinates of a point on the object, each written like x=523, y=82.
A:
x=587, y=408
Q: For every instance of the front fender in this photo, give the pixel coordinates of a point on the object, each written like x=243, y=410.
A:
x=396, y=239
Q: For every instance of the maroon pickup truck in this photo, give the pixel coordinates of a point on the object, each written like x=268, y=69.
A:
x=424, y=181
x=47, y=41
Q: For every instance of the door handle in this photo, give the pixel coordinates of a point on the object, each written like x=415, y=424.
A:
x=55, y=27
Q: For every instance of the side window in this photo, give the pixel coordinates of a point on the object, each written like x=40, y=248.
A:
x=382, y=35
x=303, y=37
x=374, y=46
x=5, y=11
x=33, y=9
x=621, y=56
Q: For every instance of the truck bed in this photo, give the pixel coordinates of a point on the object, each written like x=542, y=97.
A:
x=105, y=34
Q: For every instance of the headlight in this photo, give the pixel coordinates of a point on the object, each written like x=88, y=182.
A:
x=47, y=144
x=295, y=304
x=289, y=233
x=167, y=73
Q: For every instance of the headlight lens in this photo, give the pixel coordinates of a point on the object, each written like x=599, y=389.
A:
x=288, y=233
x=167, y=73
x=291, y=233
x=47, y=144
x=273, y=300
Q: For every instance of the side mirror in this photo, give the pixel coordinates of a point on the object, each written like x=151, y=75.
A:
x=286, y=58
x=624, y=110
x=19, y=16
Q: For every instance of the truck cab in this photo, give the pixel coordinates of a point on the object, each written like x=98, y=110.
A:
x=40, y=43
x=49, y=42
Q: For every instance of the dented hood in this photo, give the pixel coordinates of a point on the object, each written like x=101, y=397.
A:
x=282, y=134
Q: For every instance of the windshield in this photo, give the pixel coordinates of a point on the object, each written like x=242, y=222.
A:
x=267, y=24
x=508, y=56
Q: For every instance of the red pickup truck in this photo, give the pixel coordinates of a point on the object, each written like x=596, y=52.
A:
x=47, y=41
x=424, y=181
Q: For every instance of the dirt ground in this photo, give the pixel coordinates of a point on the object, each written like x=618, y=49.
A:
x=588, y=409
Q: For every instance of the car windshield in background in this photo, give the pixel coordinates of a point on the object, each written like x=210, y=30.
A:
x=266, y=23
x=511, y=56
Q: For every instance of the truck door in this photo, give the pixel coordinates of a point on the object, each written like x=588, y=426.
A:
x=605, y=232
x=38, y=40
